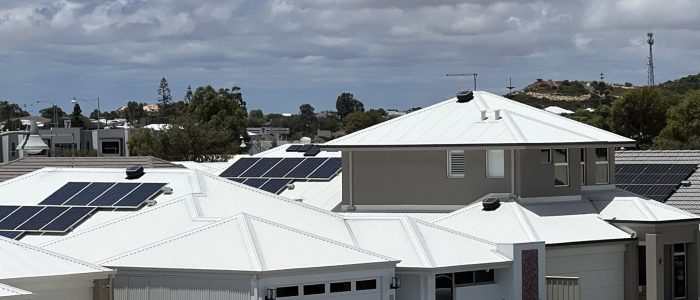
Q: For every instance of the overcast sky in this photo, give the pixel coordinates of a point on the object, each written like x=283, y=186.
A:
x=389, y=53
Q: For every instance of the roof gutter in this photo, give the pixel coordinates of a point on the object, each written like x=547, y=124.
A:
x=412, y=147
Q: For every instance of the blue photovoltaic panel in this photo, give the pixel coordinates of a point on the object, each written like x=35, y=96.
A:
x=255, y=182
x=261, y=167
x=19, y=216
x=305, y=147
x=43, y=218
x=293, y=148
x=239, y=180
x=142, y=193
x=114, y=194
x=275, y=185
x=239, y=167
x=6, y=211
x=312, y=151
x=64, y=193
x=89, y=193
x=328, y=169
x=283, y=167
x=11, y=234
x=654, y=181
x=69, y=219
x=305, y=168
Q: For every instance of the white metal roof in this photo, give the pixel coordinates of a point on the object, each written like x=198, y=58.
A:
x=419, y=244
x=620, y=205
x=281, y=151
x=10, y=292
x=552, y=222
x=450, y=123
x=20, y=260
x=245, y=243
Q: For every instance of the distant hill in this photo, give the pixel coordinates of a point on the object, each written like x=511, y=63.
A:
x=682, y=85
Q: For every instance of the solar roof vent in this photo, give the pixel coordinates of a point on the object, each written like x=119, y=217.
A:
x=686, y=183
x=167, y=190
x=491, y=203
x=465, y=96
x=134, y=172
x=290, y=186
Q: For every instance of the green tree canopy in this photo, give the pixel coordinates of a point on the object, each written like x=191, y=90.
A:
x=77, y=116
x=165, y=100
x=347, y=104
x=360, y=120
x=256, y=118
x=682, y=129
x=641, y=114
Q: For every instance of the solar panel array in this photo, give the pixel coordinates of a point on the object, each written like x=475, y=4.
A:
x=654, y=181
x=71, y=204
x=308, y=149
x=273, y=174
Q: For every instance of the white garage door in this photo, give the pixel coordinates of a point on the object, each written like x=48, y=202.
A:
x=600, y=269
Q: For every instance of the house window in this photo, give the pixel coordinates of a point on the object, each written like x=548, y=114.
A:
x=560, y=157
x=583, y=166
x=546, y=156
x=315, y=289
x=495, y=163
x=679, y=272
x=484, y=276
x=464, y=278
x=338, y=287
x=110, y=147
x=362, y=285
x=287, y=291
x=445, y=283
x=455, y=164
x=443, y=286
x=601, y=166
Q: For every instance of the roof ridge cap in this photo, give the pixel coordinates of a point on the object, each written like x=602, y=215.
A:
x=523, y=220
x=417, y=241
x=257, y=257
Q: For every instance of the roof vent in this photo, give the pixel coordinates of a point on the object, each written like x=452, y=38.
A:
x=465, y=96
x=151, y=202
x=497, y=114
x=167, y=190
x=290, y=186
x=491, y=203
x=686, y=183
x=134, y=172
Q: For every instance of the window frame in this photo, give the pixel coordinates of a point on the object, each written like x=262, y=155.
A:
x=606, y=162
x=685, y=271
x=561, y=164
x=488, y=160
x=343, y=283
x=549, y=156
x=583, y=167
x=277, y=291
x=450, y=174
x=374, y=280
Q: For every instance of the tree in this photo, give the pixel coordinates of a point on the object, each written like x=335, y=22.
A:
x=238, y=97
x=360, y=120
x=165, y=100
x=347, y=104
x=256, y=118
x=641, y=114
x=10, y=112
x=682, y=129
x=133, y=111
x=329, y=122
x=188, y=95
x=49, y=114
x=308, y=120
x=77, y=116
x=600, y=117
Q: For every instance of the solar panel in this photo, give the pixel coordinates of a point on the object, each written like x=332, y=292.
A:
x=293, y=148
x=275, y=185
x=255, y=182
x=11, y=234
x=43, y=218
x=654, y=181
x=239, y=167
x=69, y=219
x=261, y=167
x=19, y=216
x=312, y=151
x=283, y=167
x=239, y=180
x=139, y=195
x=64, y=193
x=114, y=194
x=305, y=168
x=89, y=193
x=6, y=211
x=305, y=147
x=328, y=169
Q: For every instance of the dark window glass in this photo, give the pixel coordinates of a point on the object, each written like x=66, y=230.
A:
x=601, y=154
x=678, y=248
x=315, y=289
x=545, y=156
x=110, y=147
x=559, y=156
x=365, y=284
x=287, y=291
x=464, y=278
x=337, y=287
x=443, y=287
x=583, y=155
x=484, y=276
x=679, y=276
x=642, y=255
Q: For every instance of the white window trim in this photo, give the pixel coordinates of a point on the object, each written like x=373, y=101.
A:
x=568, y=169
x=584, y=178
x=607, y=168
x=503, y=157
x=449, y=164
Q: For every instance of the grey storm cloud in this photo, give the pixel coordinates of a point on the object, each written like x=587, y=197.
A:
x=390, y=53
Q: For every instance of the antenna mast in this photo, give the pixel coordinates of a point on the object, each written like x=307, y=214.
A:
x=465, y=74
x=650, y=63
x=510, y=86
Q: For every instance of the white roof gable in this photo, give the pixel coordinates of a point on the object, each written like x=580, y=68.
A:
x=553, y=223
x=10, y=292
x=620, y=205
x=20, y=260
x=245, y=243
x=450, y=123
x=419, y=244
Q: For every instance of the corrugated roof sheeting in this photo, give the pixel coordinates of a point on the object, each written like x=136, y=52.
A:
x=10, y=292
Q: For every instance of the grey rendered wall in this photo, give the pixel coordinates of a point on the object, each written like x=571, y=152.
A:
x=418, y=178
x=156, y=287
x=537, y=178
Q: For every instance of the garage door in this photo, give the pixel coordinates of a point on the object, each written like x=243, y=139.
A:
x=367, y=289
x=600, y=270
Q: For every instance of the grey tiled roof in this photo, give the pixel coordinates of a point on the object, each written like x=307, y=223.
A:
x=685, y=198
x=26, y=165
